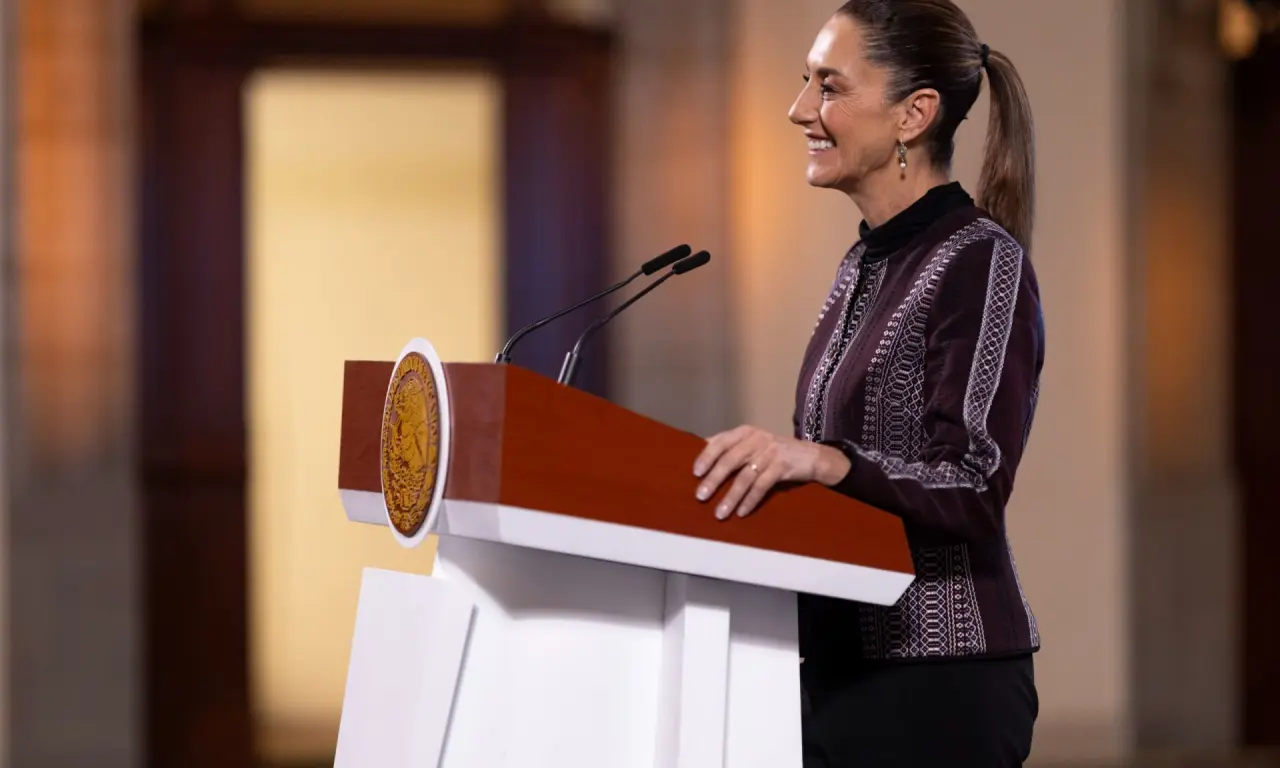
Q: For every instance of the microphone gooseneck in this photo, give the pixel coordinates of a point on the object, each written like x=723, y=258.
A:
x=570, y=367
x=651, y=266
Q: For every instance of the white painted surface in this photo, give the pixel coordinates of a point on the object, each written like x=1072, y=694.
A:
x=649, y=549
x=570, y=662
x=695, y=673
x=406, y=655
x=764, y=679
x=562, y=669
x=364, y=507
x=669, y=552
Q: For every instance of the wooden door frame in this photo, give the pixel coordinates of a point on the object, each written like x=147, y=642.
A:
x=192, y=430
x=1256, y=375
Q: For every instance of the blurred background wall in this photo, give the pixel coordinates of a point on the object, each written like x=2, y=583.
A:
x=74, y=599
x=6, y=328
x=213, y=200
x=360, y=185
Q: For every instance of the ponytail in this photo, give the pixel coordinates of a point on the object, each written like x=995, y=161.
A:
x=932, y=44
x=1006, y=187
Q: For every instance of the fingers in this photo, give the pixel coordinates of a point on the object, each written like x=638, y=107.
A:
x=716, y=447
x=730, y=459
x=757, y=461
x=751, y=485
x=768, y=478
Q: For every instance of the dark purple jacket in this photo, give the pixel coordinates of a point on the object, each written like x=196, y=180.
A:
x=924, y=368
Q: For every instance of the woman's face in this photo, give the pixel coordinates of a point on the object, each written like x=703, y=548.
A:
x=852, y=131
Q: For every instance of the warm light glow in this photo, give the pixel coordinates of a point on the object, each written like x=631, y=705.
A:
x=383, y=10
x=72, y=340
x=372, y=218
x=1237, y=28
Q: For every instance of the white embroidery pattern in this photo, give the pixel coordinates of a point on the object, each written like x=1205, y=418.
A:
x=897, y=421
x=845, y=275
x=937, y=616
x=856, y=302
x=983, y=457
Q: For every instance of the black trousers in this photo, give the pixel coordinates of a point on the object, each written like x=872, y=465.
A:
x=928, y=714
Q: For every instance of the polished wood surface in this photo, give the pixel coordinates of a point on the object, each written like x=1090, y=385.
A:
x=521, y=440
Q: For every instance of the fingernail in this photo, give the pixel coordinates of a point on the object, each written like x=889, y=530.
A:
x=698, y=469
x=743, y=511
x=703, y=494
x=722, y=511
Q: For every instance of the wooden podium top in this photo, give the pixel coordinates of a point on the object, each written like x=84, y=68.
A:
x=523, y=442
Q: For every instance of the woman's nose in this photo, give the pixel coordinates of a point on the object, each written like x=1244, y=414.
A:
x=802, y=112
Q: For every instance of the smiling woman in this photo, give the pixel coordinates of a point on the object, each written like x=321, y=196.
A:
x=916, y=394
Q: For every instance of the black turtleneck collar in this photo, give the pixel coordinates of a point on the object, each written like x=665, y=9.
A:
x=893, y=235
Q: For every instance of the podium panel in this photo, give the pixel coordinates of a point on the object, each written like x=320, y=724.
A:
x=569, y=663
x=585, y=610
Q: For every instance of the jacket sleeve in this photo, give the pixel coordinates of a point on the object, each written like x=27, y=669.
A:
x=983, y=356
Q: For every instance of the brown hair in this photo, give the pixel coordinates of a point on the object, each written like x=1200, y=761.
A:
x=932, y=44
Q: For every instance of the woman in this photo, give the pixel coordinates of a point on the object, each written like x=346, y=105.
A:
x=916, y=394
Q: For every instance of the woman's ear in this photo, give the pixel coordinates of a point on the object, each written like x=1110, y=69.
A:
x=918, y=113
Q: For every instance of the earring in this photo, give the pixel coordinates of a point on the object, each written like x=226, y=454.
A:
x=902, y=156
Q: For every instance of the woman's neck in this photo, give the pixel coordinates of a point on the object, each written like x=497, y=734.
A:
x=885, y=195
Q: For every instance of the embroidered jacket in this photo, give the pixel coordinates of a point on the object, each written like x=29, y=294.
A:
x=924, y=368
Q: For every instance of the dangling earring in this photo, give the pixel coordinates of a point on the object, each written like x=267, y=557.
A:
x=902, y=155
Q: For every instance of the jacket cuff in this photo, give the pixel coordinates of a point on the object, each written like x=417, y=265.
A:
x=850, y=452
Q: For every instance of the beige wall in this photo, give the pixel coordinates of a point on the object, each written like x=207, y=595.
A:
x=673, y=355
x=373, y=218
x=1068, y=518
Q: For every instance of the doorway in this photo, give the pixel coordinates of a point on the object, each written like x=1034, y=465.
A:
x=547, y=107
x=372, y=217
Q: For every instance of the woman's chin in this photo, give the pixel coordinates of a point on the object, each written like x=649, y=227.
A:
x=822, y=176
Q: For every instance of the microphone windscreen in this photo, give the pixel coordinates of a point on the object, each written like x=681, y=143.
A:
x=693, y=262
x=659, y=263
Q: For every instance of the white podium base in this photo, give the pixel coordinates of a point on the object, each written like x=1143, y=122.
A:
x=510, y=657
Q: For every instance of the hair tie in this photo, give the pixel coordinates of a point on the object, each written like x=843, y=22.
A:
x=986, y=54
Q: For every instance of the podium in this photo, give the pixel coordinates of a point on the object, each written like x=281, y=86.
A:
x=584, y=610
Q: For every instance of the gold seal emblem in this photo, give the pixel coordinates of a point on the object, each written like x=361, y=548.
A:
x=410, y=443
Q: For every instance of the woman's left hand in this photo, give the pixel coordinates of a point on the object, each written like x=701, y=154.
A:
x=761, y=460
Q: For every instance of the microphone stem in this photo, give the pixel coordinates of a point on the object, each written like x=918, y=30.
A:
x=570, y=367
x=504, y=356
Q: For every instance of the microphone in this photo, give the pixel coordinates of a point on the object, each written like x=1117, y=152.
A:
x=570, y=366
x=650, y=267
